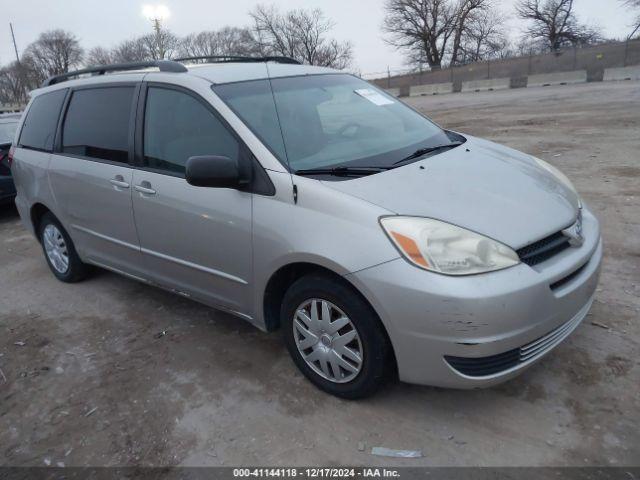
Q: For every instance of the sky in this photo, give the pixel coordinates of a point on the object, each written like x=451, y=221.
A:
x=106, y=23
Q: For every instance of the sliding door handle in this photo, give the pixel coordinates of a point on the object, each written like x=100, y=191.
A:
x=118, y=181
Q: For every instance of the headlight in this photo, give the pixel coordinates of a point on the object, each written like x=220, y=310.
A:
x=444, y=248
x=562, y=178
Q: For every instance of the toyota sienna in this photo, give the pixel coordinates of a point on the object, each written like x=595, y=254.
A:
x=307, y=200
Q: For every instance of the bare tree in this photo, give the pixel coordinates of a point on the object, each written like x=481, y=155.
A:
x=467, y=12
x=53, y=53
x=13, y=89
x=634, y=4
x=199, y=45
x=333, y=54
x=484, y=37
x=433, y=32
x=300, y=34
x=138, y=49
x=226, y=41
x=525, y=46
x=16, y=80
x=134, y=50
x=99, y=56
x=160, y=45
x=554, y=22
x=422, y=28
x=271, y=33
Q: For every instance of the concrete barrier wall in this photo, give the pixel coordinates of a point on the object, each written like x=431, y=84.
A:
x=605, y=62
x=485, y=85
x=557, y=78
x=7, y=108
x=594, y=60
x=622, y=73
x=433, y=89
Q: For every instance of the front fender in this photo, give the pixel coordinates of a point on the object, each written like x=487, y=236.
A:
x=325, y=227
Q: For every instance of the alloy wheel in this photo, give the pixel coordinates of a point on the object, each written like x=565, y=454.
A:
x=56, y=248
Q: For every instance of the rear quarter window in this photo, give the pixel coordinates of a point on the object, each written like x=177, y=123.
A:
x=39, y=128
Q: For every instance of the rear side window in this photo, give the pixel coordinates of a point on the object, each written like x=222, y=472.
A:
x=97, y=123
x=39, y=127
x=178, y=126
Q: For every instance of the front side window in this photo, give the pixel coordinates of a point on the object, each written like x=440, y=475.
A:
x=97, y=123
x=39, y=128
x=330, y=120
x=178, y=126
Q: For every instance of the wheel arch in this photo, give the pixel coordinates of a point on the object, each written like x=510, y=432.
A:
x=36, y=212
x=279, y=283
x=286, y=275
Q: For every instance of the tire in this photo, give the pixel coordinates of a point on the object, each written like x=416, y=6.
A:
x=370, y=339
x=50, y=230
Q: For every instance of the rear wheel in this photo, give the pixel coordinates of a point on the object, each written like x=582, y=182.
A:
x=59, y=251
x=334, y=337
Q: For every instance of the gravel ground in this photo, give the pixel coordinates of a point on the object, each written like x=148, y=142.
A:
x=112, y=372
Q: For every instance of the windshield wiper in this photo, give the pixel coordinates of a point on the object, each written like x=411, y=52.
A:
x=423, y=151
x=342, y=171
x=362, y=171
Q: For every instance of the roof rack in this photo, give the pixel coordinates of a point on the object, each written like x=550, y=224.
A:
x=163, y=65
x=238, y=59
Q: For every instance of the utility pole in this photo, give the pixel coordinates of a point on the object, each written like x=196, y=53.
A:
x=157, y=14
x=15, y=47
x=158, y=30
x=22, y=89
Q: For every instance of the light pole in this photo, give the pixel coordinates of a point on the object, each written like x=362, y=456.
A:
x=157, y=14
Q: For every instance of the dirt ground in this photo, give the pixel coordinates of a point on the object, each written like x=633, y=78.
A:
x=112, y=372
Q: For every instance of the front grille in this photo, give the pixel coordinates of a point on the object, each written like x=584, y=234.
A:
x=483, y=366
x=538, y=252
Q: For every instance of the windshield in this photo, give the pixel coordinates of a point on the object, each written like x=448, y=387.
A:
x=330, y=120
x=7, y=131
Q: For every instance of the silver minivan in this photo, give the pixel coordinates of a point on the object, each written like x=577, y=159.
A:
x=306, y=200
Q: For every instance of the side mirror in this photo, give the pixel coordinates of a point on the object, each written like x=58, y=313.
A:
x=212, y=171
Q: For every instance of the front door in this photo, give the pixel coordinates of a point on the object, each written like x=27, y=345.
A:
x=195, y=240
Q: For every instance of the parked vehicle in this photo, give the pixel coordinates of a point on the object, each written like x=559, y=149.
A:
x=8, y=125
x=304, y=199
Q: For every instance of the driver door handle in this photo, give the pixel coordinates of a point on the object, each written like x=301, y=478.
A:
x=145, y=187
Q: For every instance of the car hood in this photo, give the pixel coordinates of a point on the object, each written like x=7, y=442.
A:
x=488, y=188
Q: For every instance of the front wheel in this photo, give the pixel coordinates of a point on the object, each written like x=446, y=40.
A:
x=59, y=251
x=334, y=337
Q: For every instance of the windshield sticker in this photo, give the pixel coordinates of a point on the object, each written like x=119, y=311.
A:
x=373, y=96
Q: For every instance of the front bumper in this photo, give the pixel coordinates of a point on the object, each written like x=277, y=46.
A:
x=429, y=316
